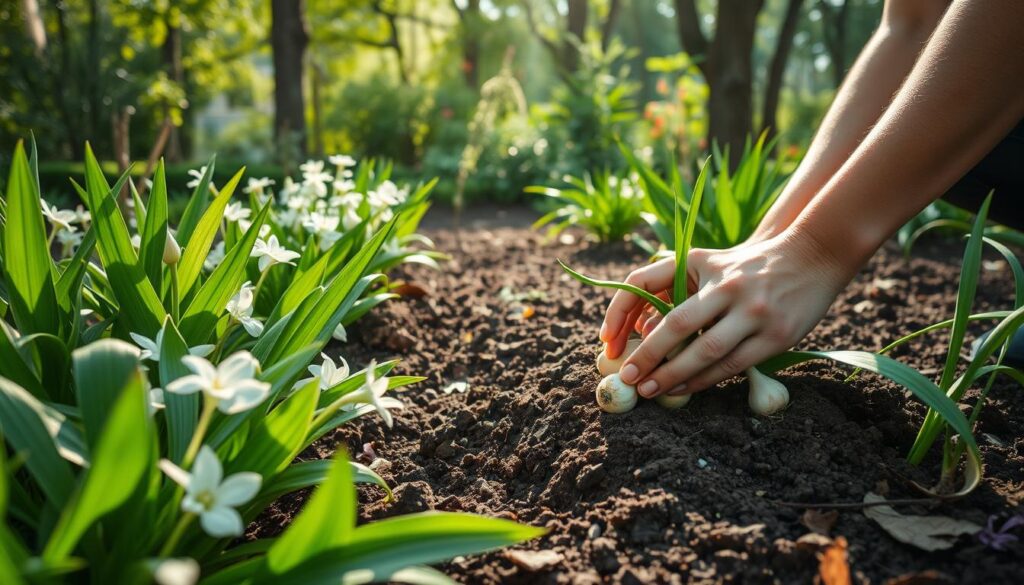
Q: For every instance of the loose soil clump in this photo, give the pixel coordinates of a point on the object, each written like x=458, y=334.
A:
x=654, y=496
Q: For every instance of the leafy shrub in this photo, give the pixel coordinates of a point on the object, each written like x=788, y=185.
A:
x=608, y=206
x=134, y=464
x=735, y=201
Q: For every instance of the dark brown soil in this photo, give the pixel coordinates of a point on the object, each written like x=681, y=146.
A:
x=688, y=496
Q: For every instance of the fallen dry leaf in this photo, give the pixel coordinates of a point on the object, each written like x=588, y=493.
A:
x=534, y=560
x=928, y=533
x=820, y=521
x=929, y=577
x=833, y=567
x=411, y=289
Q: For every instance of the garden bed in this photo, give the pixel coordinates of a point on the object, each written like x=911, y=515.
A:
x=696, y=495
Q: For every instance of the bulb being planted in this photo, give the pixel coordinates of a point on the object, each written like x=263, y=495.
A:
x=608, y=366
x=615, y=396
x=767, y=395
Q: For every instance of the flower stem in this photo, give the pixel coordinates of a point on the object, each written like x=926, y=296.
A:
x=259, y=283
x=209, y=407
x=174, y=294
x=176, y=534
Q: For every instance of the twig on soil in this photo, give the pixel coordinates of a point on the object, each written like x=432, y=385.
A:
x=856, y=505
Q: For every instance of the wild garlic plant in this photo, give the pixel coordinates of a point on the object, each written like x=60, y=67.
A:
x=767, y=395
x=735, y=199
x=149, y=419
x=607, y=205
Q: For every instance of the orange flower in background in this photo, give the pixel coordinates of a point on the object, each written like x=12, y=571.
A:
x=662, y=86
x=681, y=93
x=649, y=110
x=792, y=151
x=467, y=66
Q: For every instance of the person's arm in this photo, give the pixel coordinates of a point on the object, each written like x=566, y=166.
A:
x=964, y=94
x=877, y=74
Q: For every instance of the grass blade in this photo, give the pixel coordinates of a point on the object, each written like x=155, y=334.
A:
x=661, y=306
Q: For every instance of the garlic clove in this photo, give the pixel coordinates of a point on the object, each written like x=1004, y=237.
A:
x=767, y=395
x=608, y=366
x=672, y=402
x=615, y=396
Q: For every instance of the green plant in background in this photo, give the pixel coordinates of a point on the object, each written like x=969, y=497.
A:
x=133, y=464
x=586, y=116
x=950, y=219
x=944, y=413
x=952, y=383
x=734, y=205
x=606, y=205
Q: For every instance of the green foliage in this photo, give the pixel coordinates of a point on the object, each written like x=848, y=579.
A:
x=735, y=202
x=606, y=205
x=128, y=471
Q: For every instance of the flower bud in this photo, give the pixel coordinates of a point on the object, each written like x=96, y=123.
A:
x=172, y=251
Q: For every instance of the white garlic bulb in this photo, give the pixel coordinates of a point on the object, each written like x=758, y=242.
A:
x=608, y=366
x=672, y=402
x=615, y=396
x=767, y=395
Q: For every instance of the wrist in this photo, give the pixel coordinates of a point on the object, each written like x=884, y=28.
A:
x=838, y=254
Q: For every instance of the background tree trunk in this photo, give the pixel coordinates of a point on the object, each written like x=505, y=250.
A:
x=576, y=25
x=176, y=73
x=730, y=63
x=609, y=23
x=834, y=21
x=727, y=66
x=470, y=21
x=289, y=38
x=777, y=68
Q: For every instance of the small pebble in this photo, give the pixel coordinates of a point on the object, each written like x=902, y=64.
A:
x=594, y=531
x=702, y=463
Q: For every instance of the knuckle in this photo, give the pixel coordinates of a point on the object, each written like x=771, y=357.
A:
x=636, y=278
x=730, y=285
x=710, y=347
x=730, y=366
x=757, y=308
x=678, y=323
x=643, y=356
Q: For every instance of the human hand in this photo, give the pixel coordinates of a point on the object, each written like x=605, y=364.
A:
x=752, y=302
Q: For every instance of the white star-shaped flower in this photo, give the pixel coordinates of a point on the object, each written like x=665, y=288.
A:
x=60, y=218
x=240, y=308
x=151, y=347
x=236, y=212
x=271, y=252
x=328, y=374
x=211, y=496
x=372, y=392
x=232, y=383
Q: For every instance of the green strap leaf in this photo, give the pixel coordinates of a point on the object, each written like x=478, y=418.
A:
x=196, y=204
x=181, y=410
x=660, y=305
x=326, y=522
x=140, y=306
x=22, y=423
x=154, y=229
x=120, y=460
x=200, y=318
x=198, y=247
x=29, y=268
x=102, y=370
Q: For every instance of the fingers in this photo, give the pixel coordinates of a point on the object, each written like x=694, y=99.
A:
x=654, y=277
x=748, y=353
x=614, y=347
x=710, y=348
x=679, y=324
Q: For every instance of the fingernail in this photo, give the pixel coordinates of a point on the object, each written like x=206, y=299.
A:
x=678, y=390
x=648, y=388
x=604, y=330
x=629, y=373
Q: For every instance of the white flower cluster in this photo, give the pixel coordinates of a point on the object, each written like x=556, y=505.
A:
x=64, y=226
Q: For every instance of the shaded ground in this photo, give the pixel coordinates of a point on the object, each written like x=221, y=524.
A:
x=654, y=495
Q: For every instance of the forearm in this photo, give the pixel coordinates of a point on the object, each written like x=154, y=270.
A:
x=868, y=89
x=963, y=95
